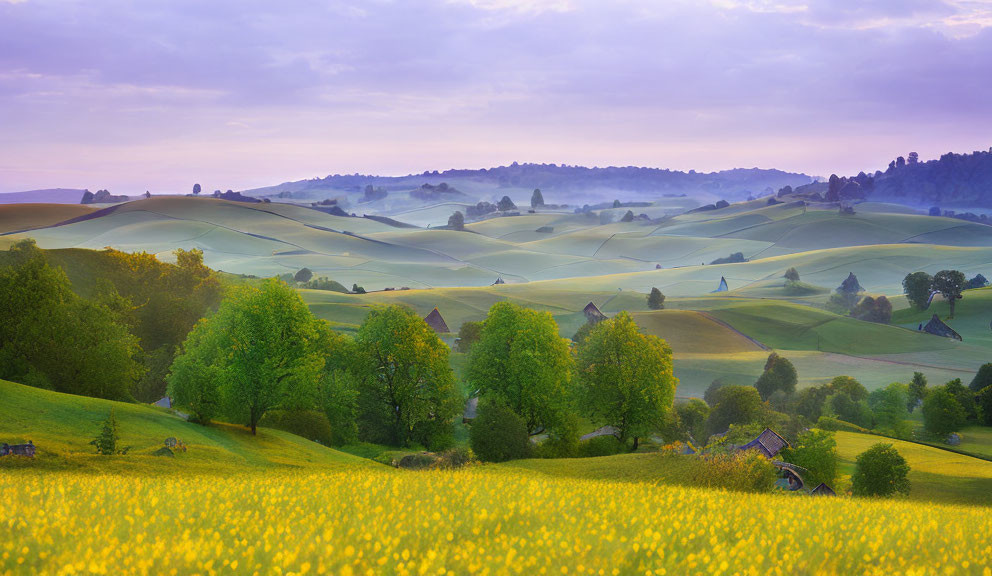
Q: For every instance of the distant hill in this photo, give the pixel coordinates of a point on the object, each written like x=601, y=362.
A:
x=952, y=181
x=560, y=180
x=48, y=196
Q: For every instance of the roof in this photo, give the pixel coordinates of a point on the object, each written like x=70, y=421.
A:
x=938, y=328
x=822, y=490
x=499, y=280
x=435, y=321
x=723, y=285
x=768, y=443
x=164, y=402
x=593, y=313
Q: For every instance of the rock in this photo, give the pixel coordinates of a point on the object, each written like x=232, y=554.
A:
x=954, y=439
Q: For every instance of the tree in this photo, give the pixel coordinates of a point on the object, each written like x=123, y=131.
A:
x=337, y=390
x=617, y=204
x=627, y=378
x=196, y=189
x=303, y=275
x=628, y=217
x=521, y=359
x=692, y=416
x=356, y=289
x=656, y=300
x=406, y=390
x=196, y=374
x=816, y=451
x=792, y=275
x=498, y=434
x=983, y=378
x=965, y=397
x=949, y=283
x=736, y=405
x=917, y=391
x=917, y=287
x=261, y=348
x=468, y=334
x=52, y=338
x=505, y=204
x=456, y=221
x=942, y=413
x=913, y=158
x=880, y=471
x=984, y=400
x=849, y=386
x=888, y=405
x=873, y=310
x=537, y=199
x=840, y=405
x=779, y=374
x=107, y=441
x=978, y=281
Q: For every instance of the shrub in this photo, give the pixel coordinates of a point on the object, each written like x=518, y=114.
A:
x=109, y=438
x=600, y=446
x=455, y=457
x=562, y=442
x=835, y=425
x=942, y=413
x=420, y=461
x=816, y=451
x=656, y=300
x=308, y=424
x=880, y=471
x=498, y=434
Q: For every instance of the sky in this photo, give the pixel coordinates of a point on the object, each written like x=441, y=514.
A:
x=159, y=94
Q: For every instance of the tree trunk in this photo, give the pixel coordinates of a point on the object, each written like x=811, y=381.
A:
x=252, y=427
x=635, y=444
x=951, y=301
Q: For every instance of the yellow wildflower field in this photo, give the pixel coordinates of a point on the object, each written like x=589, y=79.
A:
x=480, y=520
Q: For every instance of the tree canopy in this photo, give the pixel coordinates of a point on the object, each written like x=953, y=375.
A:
x=626, y=378
x=779, y=374
x=656, y=300
x=950, y=284
x=521, y=359
x=734, y=405
x=917, y=287
x=942, y=413
x=537, y=199
x=456, y=221
x=880, y=471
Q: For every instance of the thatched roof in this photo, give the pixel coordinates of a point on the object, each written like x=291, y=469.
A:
x=435, y=321
x=593, y=313
x=768, y=443
x=936, y=327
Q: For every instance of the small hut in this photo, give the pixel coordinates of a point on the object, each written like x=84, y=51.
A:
x=936, y=327
x=822, y=490
x=499, y=280
x=850, y=285
x=768, y=443
x=723, y=285
x=435, y=321
x=593, y=314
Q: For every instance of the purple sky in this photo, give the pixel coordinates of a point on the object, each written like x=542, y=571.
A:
x=157, y=94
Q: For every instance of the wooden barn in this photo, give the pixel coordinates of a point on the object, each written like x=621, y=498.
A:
x=937, y=327
x=436, y=322
x=768, y=443
x=593, y=314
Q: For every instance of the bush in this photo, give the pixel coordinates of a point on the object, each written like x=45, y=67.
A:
x=985, y=403
x=109, y=439
x=835, y=425
x=600, y=446
x=498, y=434
x=735, y=405
x=880, y=471
x=561, y=443
x=455, y=457
x=942, y=413
x=816, y=451
x=420, y=461
x=308, y=424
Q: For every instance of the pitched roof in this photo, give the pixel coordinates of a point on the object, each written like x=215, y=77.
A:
x=593, y=313
x=723, y=285
x=937, y=327
x=435, y=321
x=822, y=490
x=768, y=443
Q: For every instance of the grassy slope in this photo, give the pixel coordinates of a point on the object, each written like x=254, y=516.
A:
x=61, y=426
x=15, y=217
x=935, y=474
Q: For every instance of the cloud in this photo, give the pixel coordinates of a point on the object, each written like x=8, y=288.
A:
x=680, y=83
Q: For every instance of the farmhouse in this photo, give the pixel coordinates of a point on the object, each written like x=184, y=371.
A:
x=768, y=443
x=435, y=321
x=936, y=327
x=17, y=449
x=593, y=315
x=822, y=490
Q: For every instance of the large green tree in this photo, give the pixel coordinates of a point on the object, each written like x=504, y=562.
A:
x=734, y=405
x=779, y=375
x=521, y=359
x=262, y=349
x=888, y=405
x=406, y=390
x=942, y=413
x=816, y=451
x=917, y=287
x=52, y=338
x=626, y=378
x=917, y=390
x=950, y=284
x=880, y=471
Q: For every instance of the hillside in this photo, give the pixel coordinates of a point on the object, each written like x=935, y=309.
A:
x=61, y=426
x=17, y=217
